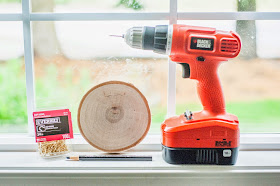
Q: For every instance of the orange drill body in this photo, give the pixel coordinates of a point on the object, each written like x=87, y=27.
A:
x=203, y=49
x=210, y=136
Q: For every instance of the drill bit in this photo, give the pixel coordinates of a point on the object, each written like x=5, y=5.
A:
x=117, y=35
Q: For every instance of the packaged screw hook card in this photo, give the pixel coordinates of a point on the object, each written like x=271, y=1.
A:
x=53, y=129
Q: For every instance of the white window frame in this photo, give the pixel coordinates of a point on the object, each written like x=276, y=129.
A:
x=173, y=15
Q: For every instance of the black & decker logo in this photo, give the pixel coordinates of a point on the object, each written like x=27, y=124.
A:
x=223, y=143
x=202, y=43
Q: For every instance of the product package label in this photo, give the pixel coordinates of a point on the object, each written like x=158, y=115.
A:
x=53, y=125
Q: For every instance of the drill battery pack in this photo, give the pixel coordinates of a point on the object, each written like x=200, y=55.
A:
x=217, y=156
x=200, y=141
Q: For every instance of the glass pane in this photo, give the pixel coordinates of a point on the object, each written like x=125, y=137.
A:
x=13, y=114
x=10, y=6
x=228, y=5
x=250, y=81
x=100, y=6
x=207, y=6
x=72, y=57
x=268, y=6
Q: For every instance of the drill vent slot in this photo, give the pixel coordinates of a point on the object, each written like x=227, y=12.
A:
x=228, y=45
x=207, y=156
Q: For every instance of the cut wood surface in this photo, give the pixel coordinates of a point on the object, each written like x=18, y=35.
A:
x=114, y=116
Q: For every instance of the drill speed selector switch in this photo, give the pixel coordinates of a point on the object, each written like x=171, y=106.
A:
x=188, y=114
x=210, y=136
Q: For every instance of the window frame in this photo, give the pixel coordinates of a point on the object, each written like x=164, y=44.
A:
x=248, y=142
x=26, y=17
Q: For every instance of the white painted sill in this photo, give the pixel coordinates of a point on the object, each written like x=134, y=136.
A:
x=252, y=168
x=258, y=162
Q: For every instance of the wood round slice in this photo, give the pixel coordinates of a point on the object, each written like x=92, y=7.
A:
x=114, y=116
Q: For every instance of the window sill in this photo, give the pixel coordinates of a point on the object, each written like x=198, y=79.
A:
x=252, y=167
x=258, y=163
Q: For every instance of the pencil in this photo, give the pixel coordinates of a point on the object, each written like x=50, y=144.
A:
x=110, y=158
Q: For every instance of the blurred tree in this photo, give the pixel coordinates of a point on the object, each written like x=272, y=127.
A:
x=45, y=40
x=132, y=4
x=247, y=30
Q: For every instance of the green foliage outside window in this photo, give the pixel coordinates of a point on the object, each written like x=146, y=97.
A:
x=131, y=4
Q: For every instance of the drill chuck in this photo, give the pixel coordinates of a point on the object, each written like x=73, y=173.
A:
x=149, y=38
x=134, y=37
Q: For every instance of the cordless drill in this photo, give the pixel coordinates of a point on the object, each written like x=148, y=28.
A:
x=210, y=136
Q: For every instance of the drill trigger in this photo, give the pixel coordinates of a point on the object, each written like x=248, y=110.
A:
x=186, y=70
